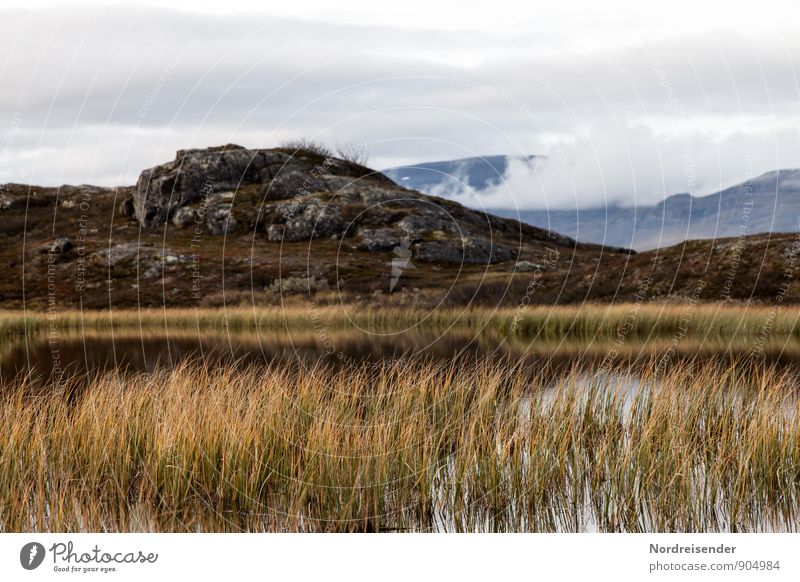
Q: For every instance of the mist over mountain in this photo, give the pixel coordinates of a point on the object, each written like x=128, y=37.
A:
x=478, y=173
x=766, y=204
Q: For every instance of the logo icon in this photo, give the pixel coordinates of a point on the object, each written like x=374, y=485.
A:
x=401, y=262
x=31, y=555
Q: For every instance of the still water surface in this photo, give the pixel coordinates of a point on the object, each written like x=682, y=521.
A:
x=131, y=352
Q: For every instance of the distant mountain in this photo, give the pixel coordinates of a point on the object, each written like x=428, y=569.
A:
x=769, y=203
x=479, y=173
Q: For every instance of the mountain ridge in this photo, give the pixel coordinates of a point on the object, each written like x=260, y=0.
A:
x=767, y=203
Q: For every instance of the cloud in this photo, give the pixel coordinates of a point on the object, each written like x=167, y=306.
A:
x=98, y=94
x=627, y=164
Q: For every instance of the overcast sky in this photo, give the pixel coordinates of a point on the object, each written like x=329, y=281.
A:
x=629, y=106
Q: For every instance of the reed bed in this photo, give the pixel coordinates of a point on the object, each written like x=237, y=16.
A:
x=411, y=445
x=585, y=321
x=239, y=319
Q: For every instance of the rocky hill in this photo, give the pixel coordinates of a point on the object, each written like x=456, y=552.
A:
x=768, y=203
x=228, y=225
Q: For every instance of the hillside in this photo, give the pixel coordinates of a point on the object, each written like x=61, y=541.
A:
x=233, y=226
x=768, y=203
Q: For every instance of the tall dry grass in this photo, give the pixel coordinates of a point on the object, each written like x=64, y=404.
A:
x=410, y=445
x=542, y=322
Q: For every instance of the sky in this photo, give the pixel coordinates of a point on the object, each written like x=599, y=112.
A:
x=628, y=102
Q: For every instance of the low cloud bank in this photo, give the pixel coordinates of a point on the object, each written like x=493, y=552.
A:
x=627, y=165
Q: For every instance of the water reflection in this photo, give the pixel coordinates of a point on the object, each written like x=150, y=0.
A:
x=129, y=352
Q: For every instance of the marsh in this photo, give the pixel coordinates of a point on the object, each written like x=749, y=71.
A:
x=382, y=423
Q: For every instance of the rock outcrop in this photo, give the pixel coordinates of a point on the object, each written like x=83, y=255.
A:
x=288, y=196
x=60, y=246
x=195, y=174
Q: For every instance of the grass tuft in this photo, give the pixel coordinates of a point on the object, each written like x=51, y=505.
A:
x=406, y=445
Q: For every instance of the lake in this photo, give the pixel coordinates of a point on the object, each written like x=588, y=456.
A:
x=250, y=436
x=128, y=351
